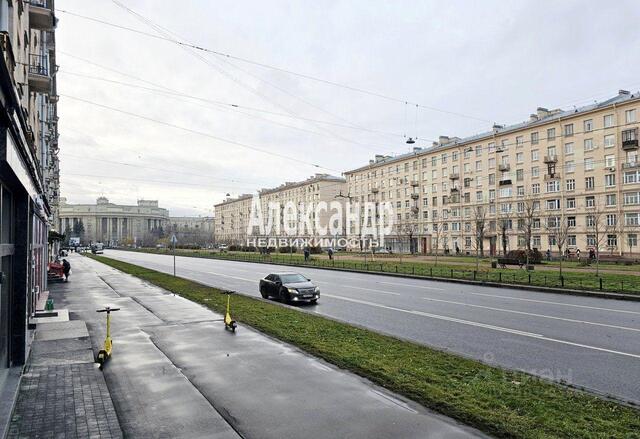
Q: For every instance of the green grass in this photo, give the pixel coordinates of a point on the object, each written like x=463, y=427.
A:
x=582, y=280
x=502, y=403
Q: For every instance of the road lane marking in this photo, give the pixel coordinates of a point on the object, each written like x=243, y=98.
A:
x=373, y=290
x=410, y=285
x=232, y=277
x=555, y=303
x=486, y=326
x=626, y=328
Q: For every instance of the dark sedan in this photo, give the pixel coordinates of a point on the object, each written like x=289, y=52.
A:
x=289, y=287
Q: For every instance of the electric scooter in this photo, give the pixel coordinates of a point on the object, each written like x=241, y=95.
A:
x=105, y=352
x=229, y=323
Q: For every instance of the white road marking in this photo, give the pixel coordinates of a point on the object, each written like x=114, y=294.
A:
x=555, y=303
x=411, y=285
x=232, y=277
x=533, y=314
x=486, y=326
x=373, y=290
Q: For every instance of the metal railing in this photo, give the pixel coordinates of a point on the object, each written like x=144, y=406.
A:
x=39, y=64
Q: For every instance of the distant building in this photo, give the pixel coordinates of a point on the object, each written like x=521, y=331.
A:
x=114, y=224
x=232, y=215
x=192, y=230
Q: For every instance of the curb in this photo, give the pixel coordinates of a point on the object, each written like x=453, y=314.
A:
x=565, y=291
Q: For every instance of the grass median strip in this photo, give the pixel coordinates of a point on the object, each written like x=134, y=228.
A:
x=501, y=403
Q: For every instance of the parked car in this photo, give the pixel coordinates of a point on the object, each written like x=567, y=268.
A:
x=289, y=287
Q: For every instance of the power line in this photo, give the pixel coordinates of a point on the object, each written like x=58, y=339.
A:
x=201, y=133
x=279, y=69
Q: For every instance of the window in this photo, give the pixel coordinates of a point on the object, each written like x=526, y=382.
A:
x=492, y=163
x=588, y=125
x=479, y=196
x=612, y=219
x=609, y=141
x=434, y=161
x=467, y=153
x=632, y=240
x=467, y=168
x=588, y=164
x=568, y=148
x=535, y=155
x=520, y=190
x=519, y=141
x=608, y=121
x=492, y=147
x=612, y=240
x=571, y=240
x=534, y=138
x=571, y=184
x=454, y=155
x=505, y=192
x=536, y=242
x=588, y=144
x=610, y=161
x=590, y=201
x=631, y=198
x=591, y=240
x=535, y=188
x=568, y=130
x=632, y=177
x=551, y=133
x=553, y=204
x=492, y=194
x=610, y=180
x=492, y=179
x=519, y=157
x=478, y=166
x=553, y=186
x=610, y=199
x=632, y=219
x=443, y=158
x=535, y=224
x=519, y=174
x=571, y=203
x=630, y=116
x=570, y=166
x=535, y=171
x=591, y=221
x=589, y=183
x=478, y=150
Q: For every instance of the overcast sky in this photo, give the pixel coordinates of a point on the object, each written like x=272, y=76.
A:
x=490, y=61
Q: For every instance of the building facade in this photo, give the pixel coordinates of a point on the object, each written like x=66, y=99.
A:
x=233, y=215
x=192, y=230
x=562, y=177
x=114, y=224
x=29, y=171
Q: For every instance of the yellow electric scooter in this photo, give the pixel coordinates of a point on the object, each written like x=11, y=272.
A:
x=229, y=323
x=105, y=353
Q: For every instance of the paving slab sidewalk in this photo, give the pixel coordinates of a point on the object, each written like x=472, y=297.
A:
x=62, y=393
x=176, y=372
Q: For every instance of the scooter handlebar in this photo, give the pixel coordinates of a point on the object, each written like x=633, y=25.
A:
x=107, y=309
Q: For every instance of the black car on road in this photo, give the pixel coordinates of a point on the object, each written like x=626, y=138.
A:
x=289, y=287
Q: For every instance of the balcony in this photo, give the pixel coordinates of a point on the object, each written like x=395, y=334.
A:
x=415, y=183
x=505, y=182
x=374, y=190
x=455, y=190
x=454, y=198
x=551, y=159
x=454, y=176
x=499, y=149
x=631, y=165
x=552, y=176
x=415, y=196
x=41, y=14
x=39, y=74
x=415, y=209
x=504, y=167
x=630, y=139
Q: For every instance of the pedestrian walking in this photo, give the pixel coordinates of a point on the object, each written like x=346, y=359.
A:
x=66, y=269
x=578, y=254
x=306, y=254
x=549, y=254
x=330, y=253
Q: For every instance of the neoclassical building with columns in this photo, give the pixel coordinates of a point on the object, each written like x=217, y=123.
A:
x=113, y=224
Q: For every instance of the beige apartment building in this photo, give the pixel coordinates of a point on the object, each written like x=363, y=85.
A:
x=232, y=216
x=192, y=230
x=563, y=175
x=114, y=224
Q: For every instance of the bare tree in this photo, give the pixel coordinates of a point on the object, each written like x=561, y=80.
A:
x=526, y=214
x=505, y=225
x=598, y=225
x=410, y=229
x=558, y=228
x=435, y=239
x=479, y=229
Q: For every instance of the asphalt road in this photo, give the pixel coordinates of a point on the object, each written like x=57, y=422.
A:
x=587, y=342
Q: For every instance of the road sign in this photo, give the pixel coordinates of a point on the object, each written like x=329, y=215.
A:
x=174, y=240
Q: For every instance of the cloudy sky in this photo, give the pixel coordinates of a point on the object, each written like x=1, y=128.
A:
x=143, y=117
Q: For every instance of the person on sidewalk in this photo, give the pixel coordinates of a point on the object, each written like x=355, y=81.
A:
x=66, y=269
x=306, y=254
x=330, y=253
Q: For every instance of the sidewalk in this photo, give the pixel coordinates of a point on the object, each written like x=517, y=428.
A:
x=62, y=393
x=176, y=372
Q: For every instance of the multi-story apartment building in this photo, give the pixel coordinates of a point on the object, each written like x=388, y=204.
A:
x=195, y=230
x=114, y=224
x=233, y=214
x=568, y=176
x=29, y=181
